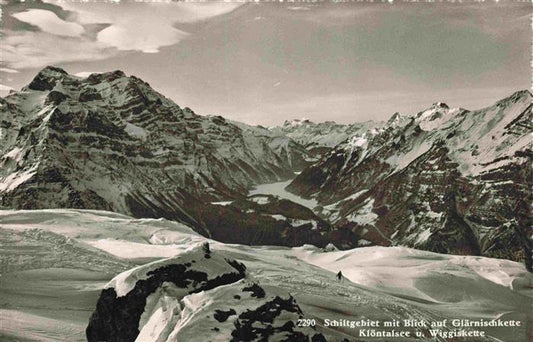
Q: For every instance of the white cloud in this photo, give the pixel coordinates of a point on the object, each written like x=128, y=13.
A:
x=9, y=71
x=298, y=8
x=144, y=26
x=146, y=36
x=134, y=26
x=49, y=22
x=27, y=49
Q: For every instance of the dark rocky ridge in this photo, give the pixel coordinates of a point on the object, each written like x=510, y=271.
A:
x=278, y=222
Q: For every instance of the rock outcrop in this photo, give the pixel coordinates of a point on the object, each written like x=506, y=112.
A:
x=198, y=295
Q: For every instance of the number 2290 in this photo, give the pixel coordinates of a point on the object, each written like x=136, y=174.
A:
x=306, y=322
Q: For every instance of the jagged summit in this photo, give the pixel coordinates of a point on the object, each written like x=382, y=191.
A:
x=519, y=95
x=47, y=78
x=297, y=122
x=51, y=70
x=440, y=105
x=394, y=118
x=320, y=137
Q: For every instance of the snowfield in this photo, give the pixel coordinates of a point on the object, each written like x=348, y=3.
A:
x=56, y=262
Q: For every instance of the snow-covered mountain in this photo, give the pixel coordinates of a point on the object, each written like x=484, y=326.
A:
x=447, y=180
x=111, y=142
x=60, y=283
x=323, y=136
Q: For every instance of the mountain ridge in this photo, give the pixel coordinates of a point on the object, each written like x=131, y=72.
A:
x=447, y=180
x=111, y=142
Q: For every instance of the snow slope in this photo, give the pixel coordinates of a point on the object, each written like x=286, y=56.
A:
x=384, y=283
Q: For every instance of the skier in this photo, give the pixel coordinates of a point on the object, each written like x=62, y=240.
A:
x=339, y=276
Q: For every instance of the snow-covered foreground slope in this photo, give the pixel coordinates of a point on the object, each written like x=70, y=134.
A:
x=53, y=295
x=425, y=275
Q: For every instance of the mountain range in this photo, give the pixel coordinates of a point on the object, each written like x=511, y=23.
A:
x=134, y=219
x=320, y=137
x=111, y=142
x=447, y=180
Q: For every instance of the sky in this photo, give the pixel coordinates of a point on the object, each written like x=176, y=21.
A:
x=263, y=63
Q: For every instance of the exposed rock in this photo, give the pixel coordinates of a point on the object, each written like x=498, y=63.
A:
x=320, y=138
x=222, y=316
x=185, y=298
x=270, y=220
x=117, y=315
x=47, y=78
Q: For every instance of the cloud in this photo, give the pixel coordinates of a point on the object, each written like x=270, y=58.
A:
x=127, y=26
x=9, y=71
x=144, y=27
x=148, y=36
x=27, y=49
x=49, y=22
x=298, y=8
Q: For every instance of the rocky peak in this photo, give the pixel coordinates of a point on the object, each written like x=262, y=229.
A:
x=436, y=111
x=47, y=78
x=51, y=71
x=521, y=95
x=110, y=141
x=297, y=122
x=106, y=76
x=440, y=105
x=198, y=293
x=394, y=118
